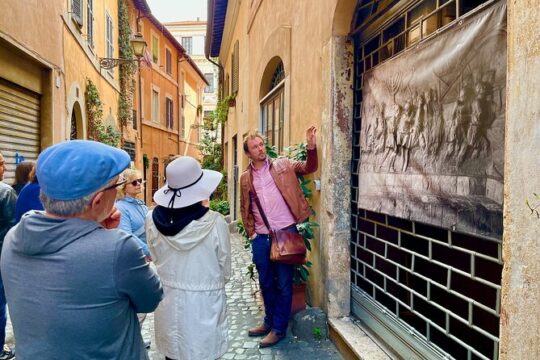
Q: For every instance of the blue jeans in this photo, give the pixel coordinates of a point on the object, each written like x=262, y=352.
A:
x=3, y=314
x=275, y=280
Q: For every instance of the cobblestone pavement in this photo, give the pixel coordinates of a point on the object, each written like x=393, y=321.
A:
x=245, y=310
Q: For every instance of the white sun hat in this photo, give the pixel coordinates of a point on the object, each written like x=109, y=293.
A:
x=186, y=184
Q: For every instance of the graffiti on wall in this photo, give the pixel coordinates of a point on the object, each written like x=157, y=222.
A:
x=432, y=136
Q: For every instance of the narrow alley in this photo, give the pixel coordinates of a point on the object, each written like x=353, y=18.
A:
x=245, y=310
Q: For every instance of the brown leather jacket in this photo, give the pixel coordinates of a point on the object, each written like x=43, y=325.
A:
x=284, y=172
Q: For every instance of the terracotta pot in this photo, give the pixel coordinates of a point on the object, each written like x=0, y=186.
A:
x=298, y=298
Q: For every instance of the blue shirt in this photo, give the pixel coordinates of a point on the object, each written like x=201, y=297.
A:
x=28, y=200
x=132, y=221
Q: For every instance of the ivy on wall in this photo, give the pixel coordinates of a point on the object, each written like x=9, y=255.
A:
x=127, y=69
x=97, y=131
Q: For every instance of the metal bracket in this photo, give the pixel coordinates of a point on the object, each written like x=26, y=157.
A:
x=109, y=63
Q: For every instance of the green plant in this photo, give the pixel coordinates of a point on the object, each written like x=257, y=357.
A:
x=98, y=131
x=109, y=135
x=534, y=207
x=242, y=231
x=221, y=206
x=317, y=333
x=94, y=109
x=127, y=69
x=146, y=161
x=247, y=245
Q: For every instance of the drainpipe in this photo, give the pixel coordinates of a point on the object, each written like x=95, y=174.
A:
x=178, y=101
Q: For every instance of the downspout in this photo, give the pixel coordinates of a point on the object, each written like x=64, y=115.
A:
x=178, y=59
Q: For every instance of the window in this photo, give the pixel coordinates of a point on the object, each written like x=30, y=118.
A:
x=77, y=11
x=187, y=44
x=110, y=43
x=90, y=23
x=134, y=119
x=210, y=79
x=155, y=106
x=129, y=147
x=170, y=111
x=168, y=61
x=272, y=120
x=272, y=111
x=155, y=49
x=235, y=69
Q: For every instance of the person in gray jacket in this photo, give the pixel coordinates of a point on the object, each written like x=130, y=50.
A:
x=73, y=281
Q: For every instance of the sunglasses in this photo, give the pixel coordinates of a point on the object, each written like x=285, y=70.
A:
x=120, y=183
x=136, y=181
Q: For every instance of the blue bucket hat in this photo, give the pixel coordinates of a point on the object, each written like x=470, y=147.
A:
x=74, y=169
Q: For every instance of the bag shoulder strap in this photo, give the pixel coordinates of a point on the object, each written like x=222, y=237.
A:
x=261, y=211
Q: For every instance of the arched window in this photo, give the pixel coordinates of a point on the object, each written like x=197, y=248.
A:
x=272, y=109
x=279, y=74
x=76, y=131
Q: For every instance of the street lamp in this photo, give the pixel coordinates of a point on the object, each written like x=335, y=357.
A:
x=138, y=44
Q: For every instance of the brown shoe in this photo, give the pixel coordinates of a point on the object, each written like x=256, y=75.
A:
x=271, y=339
x=259, y=330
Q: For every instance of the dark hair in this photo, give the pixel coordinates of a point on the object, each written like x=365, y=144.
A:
x=22, y=172
x=250, y=136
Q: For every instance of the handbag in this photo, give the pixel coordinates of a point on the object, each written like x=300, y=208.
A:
x=286, y=246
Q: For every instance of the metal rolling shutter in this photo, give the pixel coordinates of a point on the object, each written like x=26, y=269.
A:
x=19, y=125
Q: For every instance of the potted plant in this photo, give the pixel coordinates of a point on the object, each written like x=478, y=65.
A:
x=301, y=272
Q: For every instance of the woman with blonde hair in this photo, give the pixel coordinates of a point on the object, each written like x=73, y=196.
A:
x=133, y=210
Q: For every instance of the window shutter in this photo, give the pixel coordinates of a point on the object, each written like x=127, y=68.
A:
x=226, y=86
x=235, y=68
x=168, y=61
x=90, y=23
x=77, y=11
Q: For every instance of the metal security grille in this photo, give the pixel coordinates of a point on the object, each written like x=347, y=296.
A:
x=20, y=112
x=429, y=292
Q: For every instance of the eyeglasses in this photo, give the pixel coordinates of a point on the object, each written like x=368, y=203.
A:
x=120, y=183
x=136, y=181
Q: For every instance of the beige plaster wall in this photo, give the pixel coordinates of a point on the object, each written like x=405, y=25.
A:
x=520, y=312
x=24, y=54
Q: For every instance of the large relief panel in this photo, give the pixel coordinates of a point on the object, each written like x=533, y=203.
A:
x=432, y=137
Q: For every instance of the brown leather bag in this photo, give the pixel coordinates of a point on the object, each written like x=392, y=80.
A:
x=286, y=246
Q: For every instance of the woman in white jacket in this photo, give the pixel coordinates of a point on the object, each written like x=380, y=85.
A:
x=191, y=250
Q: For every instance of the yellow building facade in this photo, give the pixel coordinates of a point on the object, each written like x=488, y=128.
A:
x=170, y=88
x=32, y=80
x=90, y=34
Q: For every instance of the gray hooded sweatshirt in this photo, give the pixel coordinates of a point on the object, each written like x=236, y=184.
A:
x=74, y=289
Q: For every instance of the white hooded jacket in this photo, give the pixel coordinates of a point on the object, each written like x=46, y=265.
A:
x=194, y=266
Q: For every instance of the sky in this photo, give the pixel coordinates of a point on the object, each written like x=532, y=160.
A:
x=178, y=10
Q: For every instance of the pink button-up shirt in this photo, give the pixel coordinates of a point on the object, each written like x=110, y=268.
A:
x=276, y=210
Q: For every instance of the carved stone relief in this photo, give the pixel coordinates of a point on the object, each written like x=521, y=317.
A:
x=432, y=137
